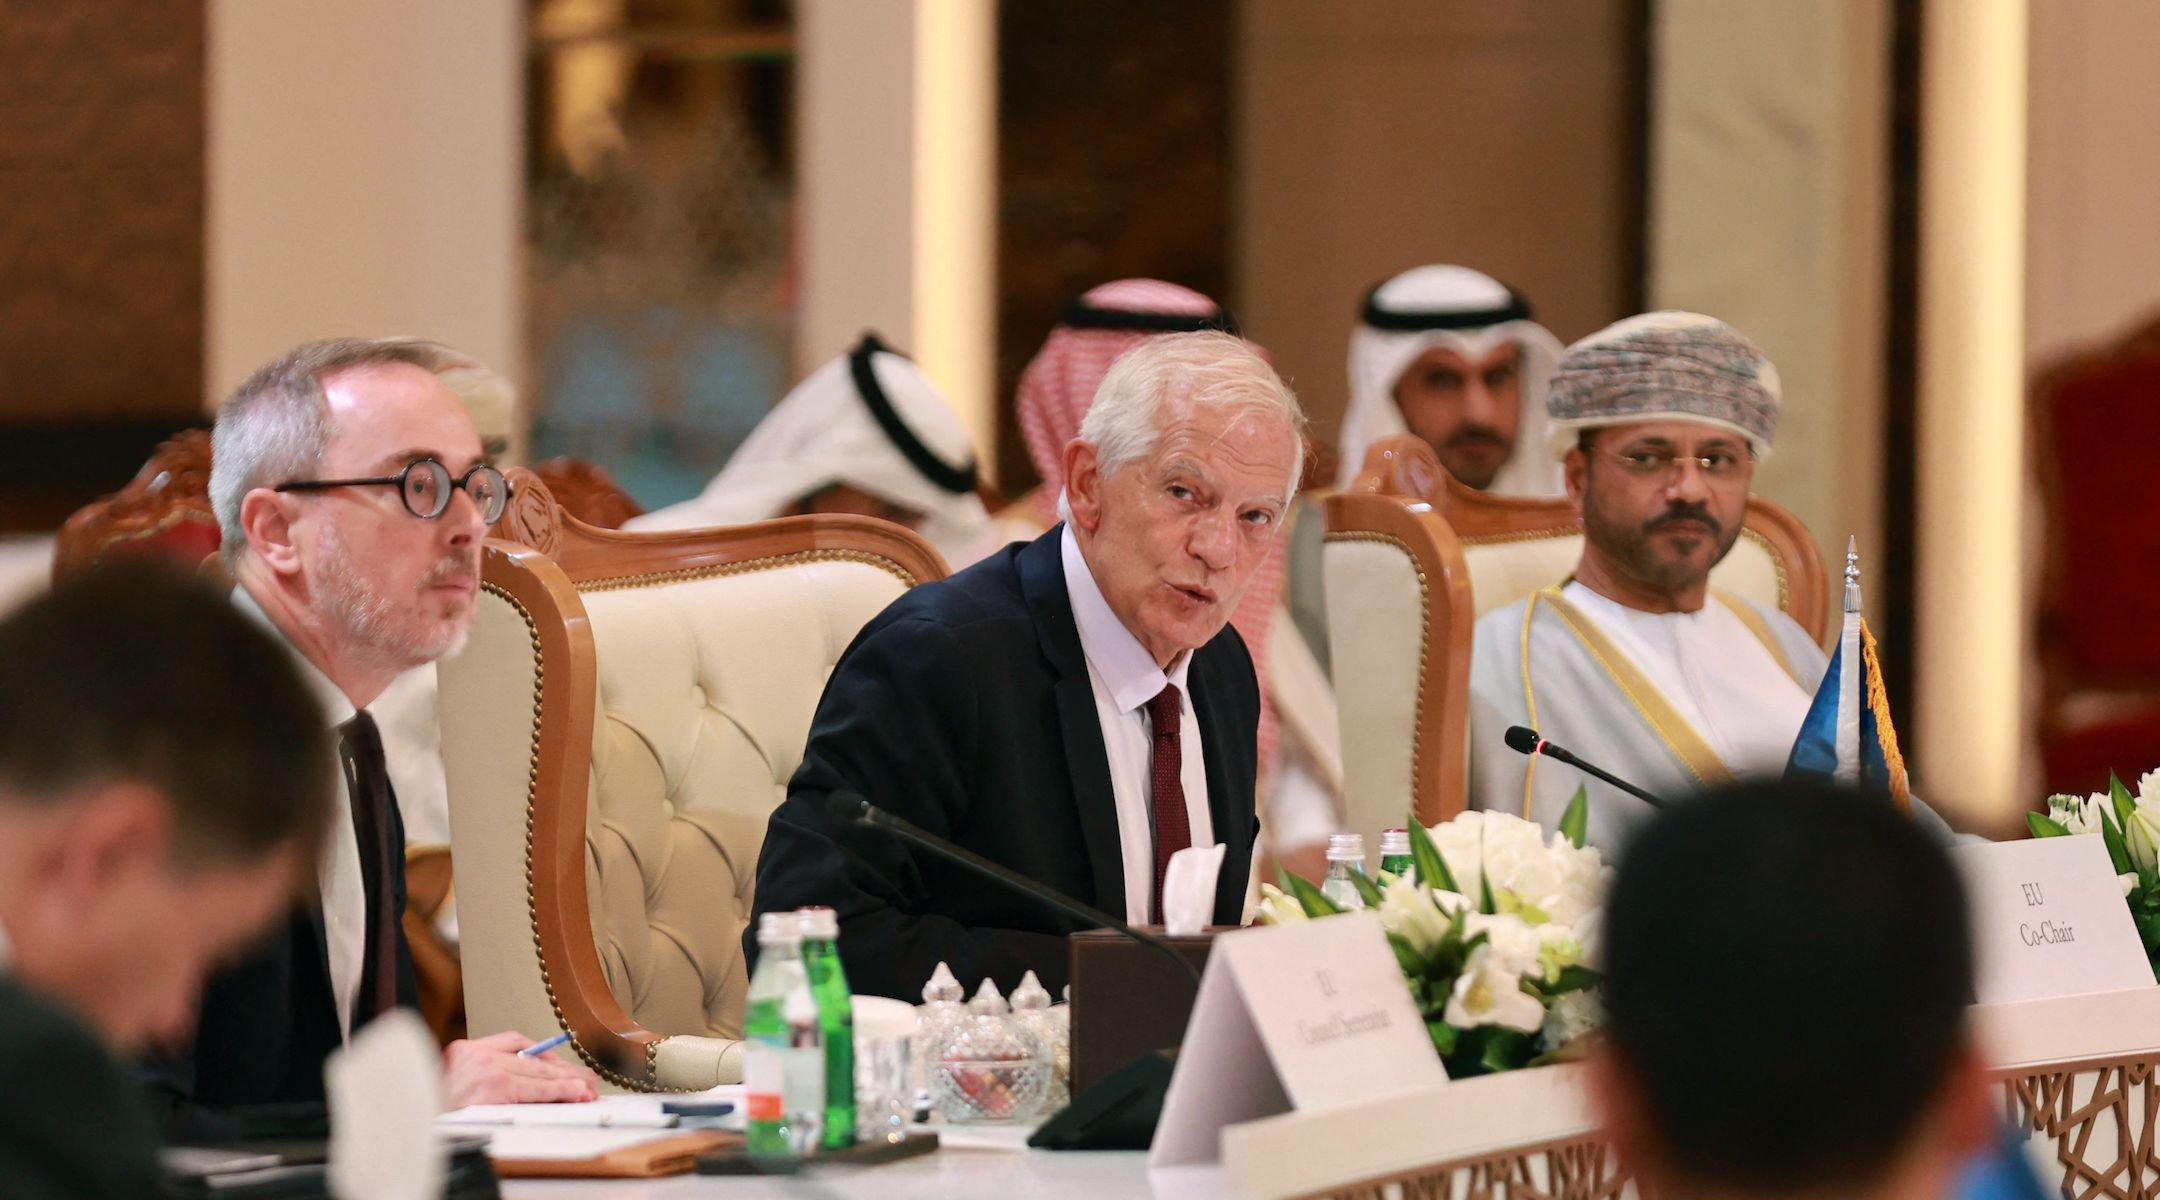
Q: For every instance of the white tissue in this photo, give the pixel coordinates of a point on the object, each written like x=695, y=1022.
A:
x=1188, y=899
x=385, y=1089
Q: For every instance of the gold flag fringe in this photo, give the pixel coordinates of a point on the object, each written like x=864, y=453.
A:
x=1878, y=702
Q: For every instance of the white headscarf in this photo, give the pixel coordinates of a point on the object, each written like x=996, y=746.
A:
x=869, y=420
x=1471, y=314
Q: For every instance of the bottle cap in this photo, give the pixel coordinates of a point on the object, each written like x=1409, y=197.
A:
x=942, y=987
x=1031, y=995
x=1346, y=846
x=1394, y=841
x=818, y=922
x=779, y=929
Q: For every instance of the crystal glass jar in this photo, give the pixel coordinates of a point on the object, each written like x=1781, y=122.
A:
x=989, y=1068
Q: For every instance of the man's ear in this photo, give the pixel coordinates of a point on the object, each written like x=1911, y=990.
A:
x=1083, y=484
x=266, y=518
x=1575, y=469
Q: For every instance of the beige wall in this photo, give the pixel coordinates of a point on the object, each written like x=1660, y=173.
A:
x=1769, y=143
x=365, y=177
x=2093, y=252
x=897, y=134
x=1376, y=136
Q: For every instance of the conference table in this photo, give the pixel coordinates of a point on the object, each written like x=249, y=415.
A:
x=949, y=1174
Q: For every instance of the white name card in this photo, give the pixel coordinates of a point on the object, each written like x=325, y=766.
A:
x=2049, y=920
x=1307, y=1016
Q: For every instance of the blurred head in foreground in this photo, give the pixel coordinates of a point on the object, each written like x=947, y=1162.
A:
x=161, y=793
x=1788, y=967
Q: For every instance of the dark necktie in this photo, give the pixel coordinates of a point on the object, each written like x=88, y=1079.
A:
x=367, y=781
x=1173, y=831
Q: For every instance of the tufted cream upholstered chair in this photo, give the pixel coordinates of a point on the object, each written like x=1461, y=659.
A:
x=1398, y=612
x=622, y=721
x=1515, y=545
x=1413, y=558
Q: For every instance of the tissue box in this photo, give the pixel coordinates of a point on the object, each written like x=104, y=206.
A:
x=1127, y=999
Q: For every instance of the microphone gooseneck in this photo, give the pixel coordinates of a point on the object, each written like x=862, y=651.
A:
x=1524, y=740
x=847, y=806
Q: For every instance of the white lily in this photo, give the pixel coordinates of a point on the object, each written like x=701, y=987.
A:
x=1487, y=993
x=1278, y=907
x=1413, y=913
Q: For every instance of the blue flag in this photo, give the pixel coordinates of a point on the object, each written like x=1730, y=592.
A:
x=1848, y=736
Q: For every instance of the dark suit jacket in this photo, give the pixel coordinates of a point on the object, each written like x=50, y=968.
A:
x=965, y=707
x=72, y=1123
x=267, y=1024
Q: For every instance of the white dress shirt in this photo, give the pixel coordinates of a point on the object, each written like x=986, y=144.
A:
x=1124, y=677
x=1715, y=672
x=344, y=901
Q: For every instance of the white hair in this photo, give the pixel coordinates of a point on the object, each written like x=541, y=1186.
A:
x=1180, y=372
x=276, y=426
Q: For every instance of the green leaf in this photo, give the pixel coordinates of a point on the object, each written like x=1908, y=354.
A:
x=1431, y=868
x=1443, y=1036
x=1505, y=1049
x=1311, y=899
x=1575, y=822
x=2118, y=851
x=1366, y=889
x=1574, y=979
x=1485, y=900
x=2124, y=805
x=2044, y=826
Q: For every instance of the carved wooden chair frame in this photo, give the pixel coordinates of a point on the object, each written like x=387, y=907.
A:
x=541, y=561
x=173, y=486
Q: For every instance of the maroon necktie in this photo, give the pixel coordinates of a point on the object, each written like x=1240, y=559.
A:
x=1173, y=832
x=367, y=781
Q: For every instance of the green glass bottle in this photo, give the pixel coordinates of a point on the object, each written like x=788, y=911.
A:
x=1395, y=857
x=836, y=1021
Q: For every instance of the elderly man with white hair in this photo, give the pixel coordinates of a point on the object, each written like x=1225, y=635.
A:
x=1077, y=708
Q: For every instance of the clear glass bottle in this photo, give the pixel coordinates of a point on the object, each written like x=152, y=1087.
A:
x=836, y=1021
x=783, y=1058
x=1395, y=857
x=1345, y=853
x=1033, y=1012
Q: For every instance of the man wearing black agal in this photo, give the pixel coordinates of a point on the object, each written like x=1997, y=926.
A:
x=1076, y=708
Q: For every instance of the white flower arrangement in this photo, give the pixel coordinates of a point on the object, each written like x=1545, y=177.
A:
x=2130, y=825
x=1496, y=934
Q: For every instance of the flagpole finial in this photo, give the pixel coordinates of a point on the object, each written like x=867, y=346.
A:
x=1852, y=574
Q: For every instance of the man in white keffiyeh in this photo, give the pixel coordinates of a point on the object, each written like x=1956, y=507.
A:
x=1452, y=356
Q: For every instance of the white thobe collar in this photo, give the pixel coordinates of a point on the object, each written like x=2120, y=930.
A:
x=1127, y=670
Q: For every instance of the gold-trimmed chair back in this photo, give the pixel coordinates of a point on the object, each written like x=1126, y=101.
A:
x=1398, y=613
x=623, y=720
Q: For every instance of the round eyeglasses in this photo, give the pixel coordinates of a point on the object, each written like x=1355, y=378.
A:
x=426, y=485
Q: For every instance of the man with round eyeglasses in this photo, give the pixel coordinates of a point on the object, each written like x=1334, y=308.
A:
x=1635, y=662
x=352, y=495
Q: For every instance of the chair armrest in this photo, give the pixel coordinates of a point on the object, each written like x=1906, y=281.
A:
x=696, y=1063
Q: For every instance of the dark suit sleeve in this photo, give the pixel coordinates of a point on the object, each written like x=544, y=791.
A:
x=898, y=725
x=72, y=1125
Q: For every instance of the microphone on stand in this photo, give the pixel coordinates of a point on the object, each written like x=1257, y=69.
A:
x=1526, y=741
x=1118, y=1112
x=847, y=806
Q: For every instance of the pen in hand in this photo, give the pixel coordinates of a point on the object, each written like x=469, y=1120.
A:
x=539, y=1048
